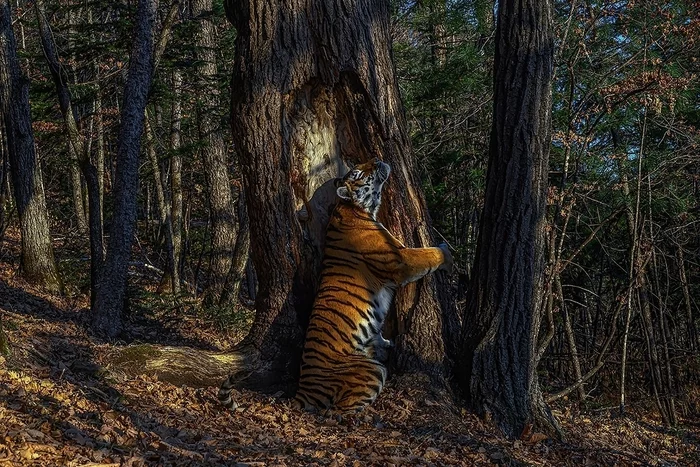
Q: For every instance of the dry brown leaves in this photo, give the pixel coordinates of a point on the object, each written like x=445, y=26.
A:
x=58, y=407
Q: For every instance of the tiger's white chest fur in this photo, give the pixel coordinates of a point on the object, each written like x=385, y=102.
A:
x=381, y=302
x=377, y=313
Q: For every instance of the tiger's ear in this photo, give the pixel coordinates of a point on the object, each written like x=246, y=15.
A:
x=344, y=193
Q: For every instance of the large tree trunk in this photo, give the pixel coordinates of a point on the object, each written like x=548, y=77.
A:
x=111, y=287
x=313, y=93
x=222, y=210
x=504, y=300
x=38, y=263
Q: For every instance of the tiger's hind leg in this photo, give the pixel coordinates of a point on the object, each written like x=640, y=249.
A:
x=361, y=386
x=379, y=348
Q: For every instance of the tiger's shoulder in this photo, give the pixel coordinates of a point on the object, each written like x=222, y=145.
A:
x=358, y=231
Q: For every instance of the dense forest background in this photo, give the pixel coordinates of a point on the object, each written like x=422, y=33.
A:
x=621, y=314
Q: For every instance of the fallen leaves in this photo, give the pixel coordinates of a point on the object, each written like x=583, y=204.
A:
x=57, y=407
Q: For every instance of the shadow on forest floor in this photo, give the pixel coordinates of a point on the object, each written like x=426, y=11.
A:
x=60, y=407
x=141, y=325
x=63, y=405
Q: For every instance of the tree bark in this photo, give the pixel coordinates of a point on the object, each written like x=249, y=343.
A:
x=176, y=211
x=38, y=262
x=4, y=179
x=77, y=148
x=308, y=100
x=164, y=210
x=111, y=287
x=222, y=210
x=693, y=341
x=240, y=253
x=504, y=300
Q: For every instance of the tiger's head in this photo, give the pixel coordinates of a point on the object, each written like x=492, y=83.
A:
x=362, y=185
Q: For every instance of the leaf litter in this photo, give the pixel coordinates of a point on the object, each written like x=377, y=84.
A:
x=58, y=406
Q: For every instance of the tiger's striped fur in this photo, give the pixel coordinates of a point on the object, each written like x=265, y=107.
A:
x=342, y=366
x=342, y=369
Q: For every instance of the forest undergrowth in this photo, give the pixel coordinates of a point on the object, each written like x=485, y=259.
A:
x=61, y=404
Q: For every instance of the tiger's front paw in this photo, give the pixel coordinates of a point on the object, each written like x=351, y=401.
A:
x=448, y=262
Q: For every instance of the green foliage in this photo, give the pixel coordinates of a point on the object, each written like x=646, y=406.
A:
x=443, y=62
x=229, y=317
x=625, y=126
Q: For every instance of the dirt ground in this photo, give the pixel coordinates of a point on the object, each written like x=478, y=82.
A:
x=60, y=405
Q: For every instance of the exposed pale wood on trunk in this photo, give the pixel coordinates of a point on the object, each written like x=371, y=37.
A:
x=314, y=92
x=176, y=365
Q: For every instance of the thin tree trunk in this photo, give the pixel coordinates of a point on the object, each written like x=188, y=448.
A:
x=668, y=376
x=76, y=145
x=81, y=213
x=240, y=253
x=215, y=156
x=652, y=353
x=633, y=227
x=100, y=158
x=164, y=210
x=570, y=339
x=4, y=178
x=176, y=212
x=693, y=341
x=111, y=287
x=38, y=262
x=77, y=186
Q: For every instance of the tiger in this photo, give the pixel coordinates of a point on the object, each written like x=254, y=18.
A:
x=343, y=360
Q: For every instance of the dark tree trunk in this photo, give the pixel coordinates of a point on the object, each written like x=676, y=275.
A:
x=222, y=210
x=308, y=101
x=176, y=211
x=111, y=287
x=504, y=300
x=77, y=147
x=693, y=341
x=4, y=179
x=240, y=254
x=38, y=263
x=164, y=211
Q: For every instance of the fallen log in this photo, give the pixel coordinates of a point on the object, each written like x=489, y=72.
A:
x=195, y=367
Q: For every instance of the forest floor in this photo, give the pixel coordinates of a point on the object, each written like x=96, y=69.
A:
x=60, y=405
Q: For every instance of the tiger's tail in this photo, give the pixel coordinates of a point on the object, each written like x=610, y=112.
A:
x=225, y=394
